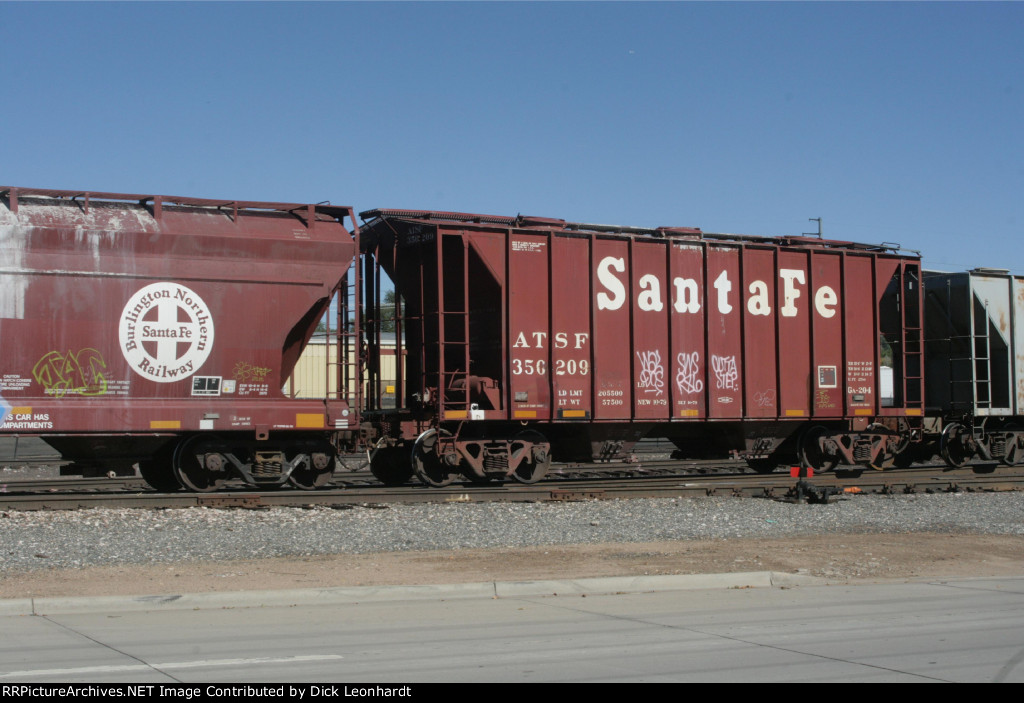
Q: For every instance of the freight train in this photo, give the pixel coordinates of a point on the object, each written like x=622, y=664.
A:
x=162, y=333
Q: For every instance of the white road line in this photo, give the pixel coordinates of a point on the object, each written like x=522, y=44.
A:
x=168, y=665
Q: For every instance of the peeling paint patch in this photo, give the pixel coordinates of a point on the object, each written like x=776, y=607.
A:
x=12, y=287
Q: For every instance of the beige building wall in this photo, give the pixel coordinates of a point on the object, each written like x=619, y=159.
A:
x=317, y=371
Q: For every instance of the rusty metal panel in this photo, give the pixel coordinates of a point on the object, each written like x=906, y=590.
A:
x=760, y=337
x=121, y=316
x=529, y=331
x=613, y=345
x=794, y=334
x=571, y=334
x=650, y=329
x=725, y=350
x=688, y=350
x=824, y=285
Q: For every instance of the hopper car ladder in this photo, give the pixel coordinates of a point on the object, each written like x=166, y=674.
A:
x=912, y=338
x=453, y=340
x=344, y=367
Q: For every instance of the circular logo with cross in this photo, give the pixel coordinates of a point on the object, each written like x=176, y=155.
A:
x=166, y=332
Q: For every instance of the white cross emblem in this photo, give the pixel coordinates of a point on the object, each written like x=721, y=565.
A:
x=166, y=332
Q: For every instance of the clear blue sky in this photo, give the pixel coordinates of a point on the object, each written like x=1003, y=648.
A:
x=900, y=122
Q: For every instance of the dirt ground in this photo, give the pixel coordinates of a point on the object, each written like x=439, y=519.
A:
x=838, y=558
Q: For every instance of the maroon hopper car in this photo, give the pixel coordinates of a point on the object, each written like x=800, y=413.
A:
x=159, y=330
x=528, y=339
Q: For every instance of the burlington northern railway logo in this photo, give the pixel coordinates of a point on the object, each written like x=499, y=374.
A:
x=166, y=332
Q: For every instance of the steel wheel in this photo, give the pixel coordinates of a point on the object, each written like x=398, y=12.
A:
x=811, y=453
x=954, y=450
x=191, y=465
x=427, y=463
x=535, y=466
x=392, y=466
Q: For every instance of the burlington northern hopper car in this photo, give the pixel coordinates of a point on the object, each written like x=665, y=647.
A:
x=158, y=330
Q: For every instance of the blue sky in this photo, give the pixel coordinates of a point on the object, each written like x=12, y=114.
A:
x=897, y=122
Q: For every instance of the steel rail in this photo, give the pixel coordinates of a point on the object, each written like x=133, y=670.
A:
x=980, y=478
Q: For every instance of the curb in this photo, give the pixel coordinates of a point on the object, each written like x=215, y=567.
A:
x=365, y=594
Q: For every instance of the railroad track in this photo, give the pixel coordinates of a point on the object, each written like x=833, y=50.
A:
x=571, y=484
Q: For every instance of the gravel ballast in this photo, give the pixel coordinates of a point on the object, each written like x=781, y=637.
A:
x=105, y=537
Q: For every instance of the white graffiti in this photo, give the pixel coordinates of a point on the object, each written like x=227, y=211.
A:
x=726, y=375
x=688, y=376
x=765, y=399
x=652, y=372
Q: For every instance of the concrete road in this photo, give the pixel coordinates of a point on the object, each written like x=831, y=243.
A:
x=943, y=631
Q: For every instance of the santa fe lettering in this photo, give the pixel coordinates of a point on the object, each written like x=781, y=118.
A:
x=687, y=292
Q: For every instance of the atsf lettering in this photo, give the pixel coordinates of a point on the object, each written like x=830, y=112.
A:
x=538, y=340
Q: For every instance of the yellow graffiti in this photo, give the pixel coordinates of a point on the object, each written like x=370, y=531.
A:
x=248, y=373
x=63, y=374
x=823, y=400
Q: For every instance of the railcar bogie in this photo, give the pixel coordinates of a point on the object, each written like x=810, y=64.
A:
x=204, y=462
x=440, y=457
x=962, y=441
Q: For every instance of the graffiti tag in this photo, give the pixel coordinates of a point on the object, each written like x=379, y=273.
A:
x=69, y=373
x=726, y=374
x=245, y=372
x=765, y=399
x=652, y=372
x=687, y=377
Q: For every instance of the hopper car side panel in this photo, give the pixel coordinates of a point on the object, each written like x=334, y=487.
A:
x=825, y=278
x=650, y=349
x=725, y=360
x=612, y=347
x=688, y=354
x=571, y=377
x=529, y=329
x=760, y=337
x=860, y=342
x=157, y=317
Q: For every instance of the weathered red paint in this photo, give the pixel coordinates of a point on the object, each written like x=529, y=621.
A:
x=571, y=378
x=672, y=326
x=151, y=314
